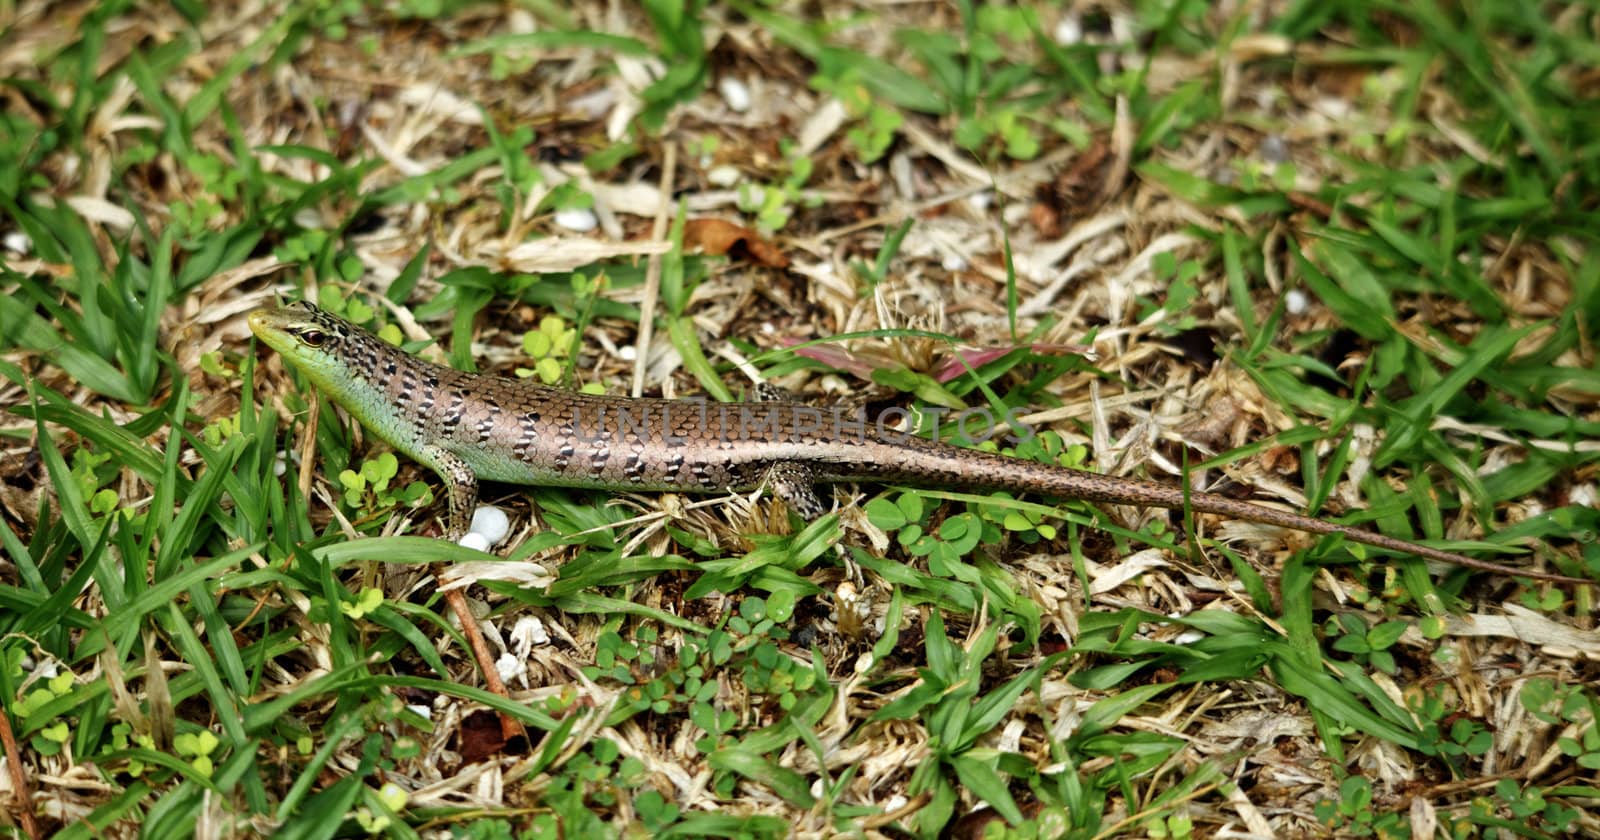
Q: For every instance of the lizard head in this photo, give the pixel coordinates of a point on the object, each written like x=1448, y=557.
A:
x=370, y=378
x=300, y=330
x=320, y=344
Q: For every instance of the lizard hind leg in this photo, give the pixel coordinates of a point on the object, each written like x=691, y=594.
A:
x=792, y=482
x=795, y=484
x=768, y=392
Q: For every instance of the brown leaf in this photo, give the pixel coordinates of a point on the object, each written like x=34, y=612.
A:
x=481, y=736
x=718, y=236
x=1073, y=194
x=1046, y=219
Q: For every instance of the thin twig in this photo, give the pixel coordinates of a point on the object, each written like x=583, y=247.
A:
x=509, y=727
x=19, y=779
x=652, y=274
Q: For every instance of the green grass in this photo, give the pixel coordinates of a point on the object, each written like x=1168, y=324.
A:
x=213, y=642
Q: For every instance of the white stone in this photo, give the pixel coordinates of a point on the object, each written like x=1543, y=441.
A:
x=735, y=93
x=579, y=220
x=1296, y=302
x=1069, y=30
x=491, y=522
x=475, y=540
x=724, y=176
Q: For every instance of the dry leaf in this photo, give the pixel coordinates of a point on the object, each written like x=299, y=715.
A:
x=717, y=236
x=480, y=737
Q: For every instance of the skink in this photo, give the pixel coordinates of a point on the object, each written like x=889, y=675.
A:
x=469, y=427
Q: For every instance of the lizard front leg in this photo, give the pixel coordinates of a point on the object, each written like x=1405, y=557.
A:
x=461, y=487
x=792, y=482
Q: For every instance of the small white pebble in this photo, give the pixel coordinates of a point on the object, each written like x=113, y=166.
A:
x=280, y=465
x=895, y=803
x=980, y=201
x=953, y=262
x=724, y=176
x=1296, y=302
x=491, y=522
x=420, y=711
x=17, y=242
x=579, y=220
x=1069, y=30
x=474, y=540
x=627, y=352
x=735, y=93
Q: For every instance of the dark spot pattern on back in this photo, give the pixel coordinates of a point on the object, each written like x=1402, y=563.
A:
x=633, y=468
x=453, y=414
x=527, y=434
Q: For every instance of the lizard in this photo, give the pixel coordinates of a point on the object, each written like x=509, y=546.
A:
x=468, y=427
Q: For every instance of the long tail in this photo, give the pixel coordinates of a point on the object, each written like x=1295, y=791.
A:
x=945, y=465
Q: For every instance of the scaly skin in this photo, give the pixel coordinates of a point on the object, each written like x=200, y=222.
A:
x=468, y=427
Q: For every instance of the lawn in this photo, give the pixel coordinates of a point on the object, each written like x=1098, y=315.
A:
x=1337, y=258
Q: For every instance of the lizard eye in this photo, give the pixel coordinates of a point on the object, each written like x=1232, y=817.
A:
x=313, y=337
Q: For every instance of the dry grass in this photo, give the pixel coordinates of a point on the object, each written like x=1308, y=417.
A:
x=1164, y=281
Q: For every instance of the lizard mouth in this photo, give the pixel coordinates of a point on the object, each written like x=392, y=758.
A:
x=275, y=319
x=271, y=326
x=258, y=321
